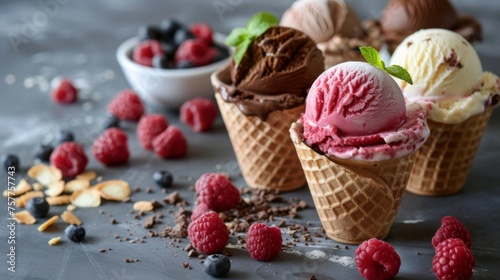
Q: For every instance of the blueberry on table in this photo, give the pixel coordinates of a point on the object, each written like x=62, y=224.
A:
x=38, y=207
x=43, y=153
x=75, y=233
x=111, y=121
x=168, y=28
x=184, y=64
x=217, y=265
x=147, y=32
x=64, y=135
x=10, y=162
x=163, y=179
x=182, y=35
x=161, y=61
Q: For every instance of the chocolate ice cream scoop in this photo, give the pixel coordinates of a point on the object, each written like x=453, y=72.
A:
x=404, y=17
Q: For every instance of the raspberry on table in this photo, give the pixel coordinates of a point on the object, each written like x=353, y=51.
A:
x=111, y=147
x=145, y=51
x=217, y=192
x=199, y=210
x=203, y=31
x=451, y=227
x=70, y=158
x=263, y=242
x=208, y=233
x=149, y=127
x=198, y=113
x=377, y=259
x=171, y=143
x=195, y=51
x=63, y=91
x=127, y=106
x=453, y=260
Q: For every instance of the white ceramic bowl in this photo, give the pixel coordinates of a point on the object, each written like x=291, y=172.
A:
x=168, y=88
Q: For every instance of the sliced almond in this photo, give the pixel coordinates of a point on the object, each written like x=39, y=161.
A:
x=45, y=174
x=59, y=200
x=23, y=199
x=71, y=207
x=113, y=189
x=77, y=184
x=37, y=186
x=21, y=188
x=86, y=198
x=70, y=218
x=143, y=206
x=48, y=223
x=24, y=217
x=55, y=189
x=54, y=241
x=87, y=176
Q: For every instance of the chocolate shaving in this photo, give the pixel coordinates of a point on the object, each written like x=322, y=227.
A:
x=149, y=221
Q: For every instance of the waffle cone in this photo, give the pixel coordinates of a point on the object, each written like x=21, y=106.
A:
x=264, y=151
x=443, y=162
x=355, y=200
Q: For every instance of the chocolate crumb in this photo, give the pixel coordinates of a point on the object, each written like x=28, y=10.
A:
x=192, y=253
x=346, y=247
x=113, y=221
x=172, y=198
x=418, y=253
x=137, y=189
x=186, y=265
x=149, y=221
x=282, y=223
x=102, y=250
x=101, y=212
x=452, y=60
x=149, y=190
x=156, y=204
x=137, y=260
x=408, y=44
x=128, y=260
x=126, y=199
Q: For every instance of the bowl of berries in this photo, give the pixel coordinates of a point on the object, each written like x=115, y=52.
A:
x=171, y=63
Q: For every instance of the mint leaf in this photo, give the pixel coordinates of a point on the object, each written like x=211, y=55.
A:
x=399, y=72
x=372, y=56
x=236, y=37
x=240, y=50
x=259, y=23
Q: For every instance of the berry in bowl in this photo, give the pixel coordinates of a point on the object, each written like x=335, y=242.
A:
x=170, y=63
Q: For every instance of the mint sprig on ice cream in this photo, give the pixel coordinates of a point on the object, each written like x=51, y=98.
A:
x=373, y=57
x=241, y=37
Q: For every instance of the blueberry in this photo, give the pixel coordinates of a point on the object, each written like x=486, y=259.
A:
x=111, y=121
x=182, y=35
x=169, y=27
x=161, y=61
x=169, y=48
x=217, y=265
x=163, y=179
x=184, y=65
x=10, y=161
x=148, y=32
x=38, y=207
x=64, y=135
x=44, y=152
x=75, y=233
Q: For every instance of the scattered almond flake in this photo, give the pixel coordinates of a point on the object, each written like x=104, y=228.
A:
x=143, y=206
x=70, y=218
x=24, y=217
x=48, y=223
x=37, y=186
x=77, y=184
x=55, y=189
x=229, y=225
x=71, y=207
x=45, y=174
x=113, y=189
x=58, y=200
x=87, y=176
x=23, y=199
x=21, y=188
x=54, y=240
x=86, y=198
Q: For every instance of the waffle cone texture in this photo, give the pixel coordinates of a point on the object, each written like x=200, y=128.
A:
x=264, y=151
x=355, y=200
x=443, y=162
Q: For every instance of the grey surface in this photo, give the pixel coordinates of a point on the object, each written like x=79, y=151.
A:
x=79, y=39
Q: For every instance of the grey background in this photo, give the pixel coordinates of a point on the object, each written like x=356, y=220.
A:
x=78, y=39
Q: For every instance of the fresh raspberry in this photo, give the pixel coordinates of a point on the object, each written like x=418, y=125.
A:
x=199, y=113
x=111, y=147
x=203, y=31
x=196, y=52
x=453, y=260
x=451, y=227
x=208, y=233
x=127, y=106
x=149, y=127
x=63, y=91
x=145, y=51
x=217, y=192
x=199, y=210
x=377, y=259
x=263, y=242
x=70, y=158
x=171, y=143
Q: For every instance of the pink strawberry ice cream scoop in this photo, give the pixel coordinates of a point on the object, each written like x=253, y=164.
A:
x=355, y=110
